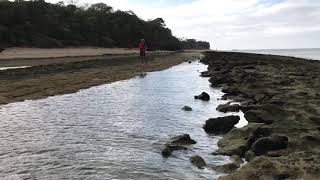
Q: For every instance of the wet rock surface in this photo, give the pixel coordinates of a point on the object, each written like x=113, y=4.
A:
x=221, y=125
x=198, y=161
x=177, y=143
x=265, y=144
x=229, y=108
x=282, y=95
x=203, y=96
x=186, y=108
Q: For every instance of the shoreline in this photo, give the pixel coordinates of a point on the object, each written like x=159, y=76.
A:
x=280, y=97
x=44, y=80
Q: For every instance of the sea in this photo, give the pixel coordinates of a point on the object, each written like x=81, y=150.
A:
x=307, y=53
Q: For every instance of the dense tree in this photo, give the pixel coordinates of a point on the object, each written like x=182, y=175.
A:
x=39, y=24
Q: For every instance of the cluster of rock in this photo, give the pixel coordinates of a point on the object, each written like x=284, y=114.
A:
x=280, y=97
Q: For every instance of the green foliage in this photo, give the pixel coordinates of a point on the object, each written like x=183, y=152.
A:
x=39, y=24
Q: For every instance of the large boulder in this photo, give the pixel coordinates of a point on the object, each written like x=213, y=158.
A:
x=229, y=107
x=203, y=96
x=270, y=143
x=221, y=125
x=237, y=141
x=198, y=161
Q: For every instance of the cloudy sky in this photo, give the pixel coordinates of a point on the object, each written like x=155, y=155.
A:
x=234, y=24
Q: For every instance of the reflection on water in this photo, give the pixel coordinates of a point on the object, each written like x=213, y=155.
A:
x=19, y=67
x=113, y=131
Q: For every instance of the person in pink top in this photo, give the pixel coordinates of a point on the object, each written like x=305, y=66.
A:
x=142, y=47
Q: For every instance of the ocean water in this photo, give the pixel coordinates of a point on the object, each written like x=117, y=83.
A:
x=312, y=53
x=113, y=131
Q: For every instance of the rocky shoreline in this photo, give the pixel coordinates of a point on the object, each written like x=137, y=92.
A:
x=280, y=97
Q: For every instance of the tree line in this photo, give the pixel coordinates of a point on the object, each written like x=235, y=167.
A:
x=37, y=23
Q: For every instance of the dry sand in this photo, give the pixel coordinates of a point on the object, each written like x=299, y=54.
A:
x=26, y=53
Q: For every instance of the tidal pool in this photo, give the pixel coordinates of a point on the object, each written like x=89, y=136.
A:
x=112, y=131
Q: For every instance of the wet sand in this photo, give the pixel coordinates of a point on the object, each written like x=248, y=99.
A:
x=71, y=74
x=280, y=97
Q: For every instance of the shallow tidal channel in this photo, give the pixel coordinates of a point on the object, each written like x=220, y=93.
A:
x=113, y=131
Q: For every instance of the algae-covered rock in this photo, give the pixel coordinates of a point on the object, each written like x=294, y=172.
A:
x=265, y=144
x=221, y=125
x=229, y=107
x=198, y=161
x=177, y=143
x=167, y=151
x=184, y=139
x=227, y=168
x=237, y=141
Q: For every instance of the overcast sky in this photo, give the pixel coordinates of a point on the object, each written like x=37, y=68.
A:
x=234, y=24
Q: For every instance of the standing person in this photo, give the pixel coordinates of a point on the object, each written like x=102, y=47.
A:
x=142, y=47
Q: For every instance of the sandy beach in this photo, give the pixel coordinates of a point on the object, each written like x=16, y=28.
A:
x=64, y=75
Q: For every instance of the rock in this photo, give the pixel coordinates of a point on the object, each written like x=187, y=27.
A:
x=258, y=116
x=229, y=108
x=237, y=160
x=221, y=125
x=167, y=151
x=176, y=144
x=249, y=156
x=237, y=141
x=206, y=74
x=183, y=140
x=190, y=62
x=203, y=96
x=198, y=161
x=227, y=168
x=187, y=108
x=265, y=144
x=1, y=49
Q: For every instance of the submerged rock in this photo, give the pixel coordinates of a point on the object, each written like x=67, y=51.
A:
x=183, y=140
x=265, y=144
x=177, y=143
x=227, y=168
x=203, y=96
x=167, y=151
x=187, y=108
x=198, y=161
x=229, y=108
x=221, y=125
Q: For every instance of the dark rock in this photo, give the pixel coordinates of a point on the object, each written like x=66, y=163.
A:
x=221, y=125
x=204, y=96
x=167, y=151
x=1, y=49
x=176, y=144
x=190, y=62
x=198, y=161
x=227, y=168
x=206, y=74
x=229, y=108
x=231, y=91
x=183, y=140
x=258, y=116
x=265, y=144
x=249, y=156
x=187, y=108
